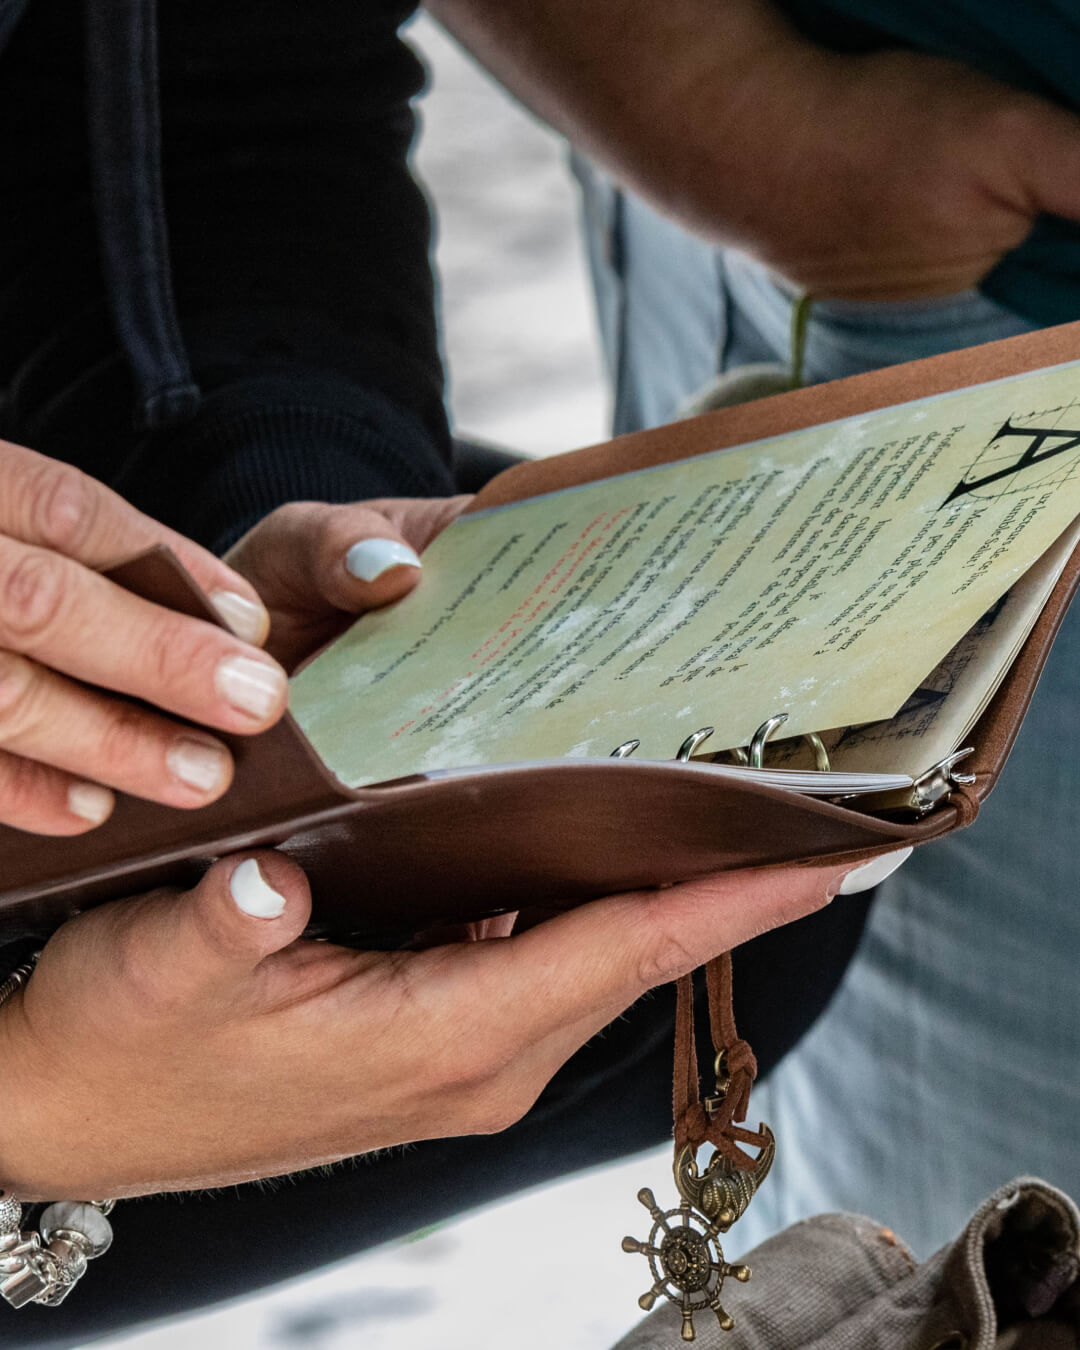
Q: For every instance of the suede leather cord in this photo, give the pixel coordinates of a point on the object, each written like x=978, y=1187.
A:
x=694, y=1125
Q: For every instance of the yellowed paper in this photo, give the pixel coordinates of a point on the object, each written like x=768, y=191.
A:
x=938, y=716
x=821, y=573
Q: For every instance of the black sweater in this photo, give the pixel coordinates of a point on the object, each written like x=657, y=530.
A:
x=299, y=262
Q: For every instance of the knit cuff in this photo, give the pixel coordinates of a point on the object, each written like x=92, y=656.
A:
x=257, y=445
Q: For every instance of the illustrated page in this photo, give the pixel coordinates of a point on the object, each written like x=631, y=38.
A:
x=821, y=573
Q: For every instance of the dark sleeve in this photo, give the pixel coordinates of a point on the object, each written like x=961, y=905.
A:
x=299, y=249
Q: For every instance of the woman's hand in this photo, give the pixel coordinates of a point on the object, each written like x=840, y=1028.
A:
x=70, y=641
x=317, y=567
x=184, y=1040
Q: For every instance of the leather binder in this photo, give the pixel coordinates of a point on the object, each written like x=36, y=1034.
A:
x=389, y=860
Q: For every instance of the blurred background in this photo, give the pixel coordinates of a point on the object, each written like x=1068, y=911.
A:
x=545, y=1269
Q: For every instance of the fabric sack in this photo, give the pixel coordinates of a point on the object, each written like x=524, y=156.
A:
x=1010, y=1281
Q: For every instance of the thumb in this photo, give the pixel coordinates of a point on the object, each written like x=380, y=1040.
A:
x=309, y=557
x=1045, y=143
x=203, y=944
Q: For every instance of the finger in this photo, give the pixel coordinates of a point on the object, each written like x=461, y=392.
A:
x=53, y=721
x=420, y=519
x=1043, y=143
x=56, y=507
x=590, y=964
x=75, y=621
x=310, y=558
x=41, y=800
x=351, y=558
x=208, y=943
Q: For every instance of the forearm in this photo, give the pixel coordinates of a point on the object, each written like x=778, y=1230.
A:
x=693, y=103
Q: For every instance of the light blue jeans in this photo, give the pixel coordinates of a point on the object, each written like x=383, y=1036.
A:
x=949, y=1059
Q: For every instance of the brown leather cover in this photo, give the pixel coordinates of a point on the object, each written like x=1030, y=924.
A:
x=388, y=860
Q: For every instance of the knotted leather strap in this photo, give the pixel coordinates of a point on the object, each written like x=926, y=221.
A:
x=694, y=1125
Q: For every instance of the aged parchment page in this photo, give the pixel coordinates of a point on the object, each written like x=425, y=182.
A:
x=823, y=573
x=938, y=716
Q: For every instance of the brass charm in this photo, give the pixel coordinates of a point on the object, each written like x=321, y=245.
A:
x=683, y=1248
x=724, y=1193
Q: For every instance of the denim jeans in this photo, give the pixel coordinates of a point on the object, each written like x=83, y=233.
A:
x=948, y=1060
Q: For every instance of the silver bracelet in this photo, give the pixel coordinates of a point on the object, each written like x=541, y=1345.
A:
x=44, y=1266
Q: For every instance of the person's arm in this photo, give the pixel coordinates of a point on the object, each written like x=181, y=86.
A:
x=881, y=175
x=189, y=1040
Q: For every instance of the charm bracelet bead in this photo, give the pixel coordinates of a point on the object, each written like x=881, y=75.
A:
x=44, y=1266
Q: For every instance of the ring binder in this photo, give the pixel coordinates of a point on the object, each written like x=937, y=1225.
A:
x=692, y=742
x=772, y=724
x=754, y=757
x=622, y=751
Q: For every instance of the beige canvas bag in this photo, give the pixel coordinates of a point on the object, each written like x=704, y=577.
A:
x=1010, y=1281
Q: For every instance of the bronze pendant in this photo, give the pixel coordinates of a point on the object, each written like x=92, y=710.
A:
x=683, y=1247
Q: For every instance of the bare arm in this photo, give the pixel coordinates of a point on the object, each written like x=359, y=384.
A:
x=876, y=176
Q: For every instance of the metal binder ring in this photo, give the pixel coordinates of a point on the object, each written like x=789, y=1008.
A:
x=756, y=752
x=622, y=751
x=692, y=742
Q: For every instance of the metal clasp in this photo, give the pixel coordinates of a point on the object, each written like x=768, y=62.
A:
x=723, y=1082
x=936, y=784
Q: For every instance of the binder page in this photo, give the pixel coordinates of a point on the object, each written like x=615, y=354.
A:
x=822, y=573
x=938, y=717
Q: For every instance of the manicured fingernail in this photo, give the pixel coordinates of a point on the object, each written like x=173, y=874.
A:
x=253, y=687
x=370, y=558
x=90, y=802
x=874, y=872
x=252, y=893
x=246, y=618
x=200, y=765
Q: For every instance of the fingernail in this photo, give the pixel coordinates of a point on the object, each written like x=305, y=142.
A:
x=252, y=893
x=251, y=686
x=370, y=558
x=90, y=802
x=200, y=765
x=246, y=618
x=873, y=872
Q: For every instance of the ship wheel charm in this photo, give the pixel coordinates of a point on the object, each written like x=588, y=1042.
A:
x=683, y=1248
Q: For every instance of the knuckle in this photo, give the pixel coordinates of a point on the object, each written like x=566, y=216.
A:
x=63, y=505
x=468, y=1073
x=17, y=696
x=123, y=739
x=663, y=955
x=21, y=788
x=501, y=1106
x=32, y=596
x=148, y=994
x=176, y=646
x=292, y=513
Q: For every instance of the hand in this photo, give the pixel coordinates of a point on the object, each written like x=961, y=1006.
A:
x=67, y=635
x=876, y=176
x=895, y=175
x=317, y=567
x=188, y=1040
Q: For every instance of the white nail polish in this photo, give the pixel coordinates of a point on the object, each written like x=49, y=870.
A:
x=244, y=617
x=252, y=894
x=201, y=766
x=90, y=802
x=874, y=872
x=251, y=686
x=370, y=558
